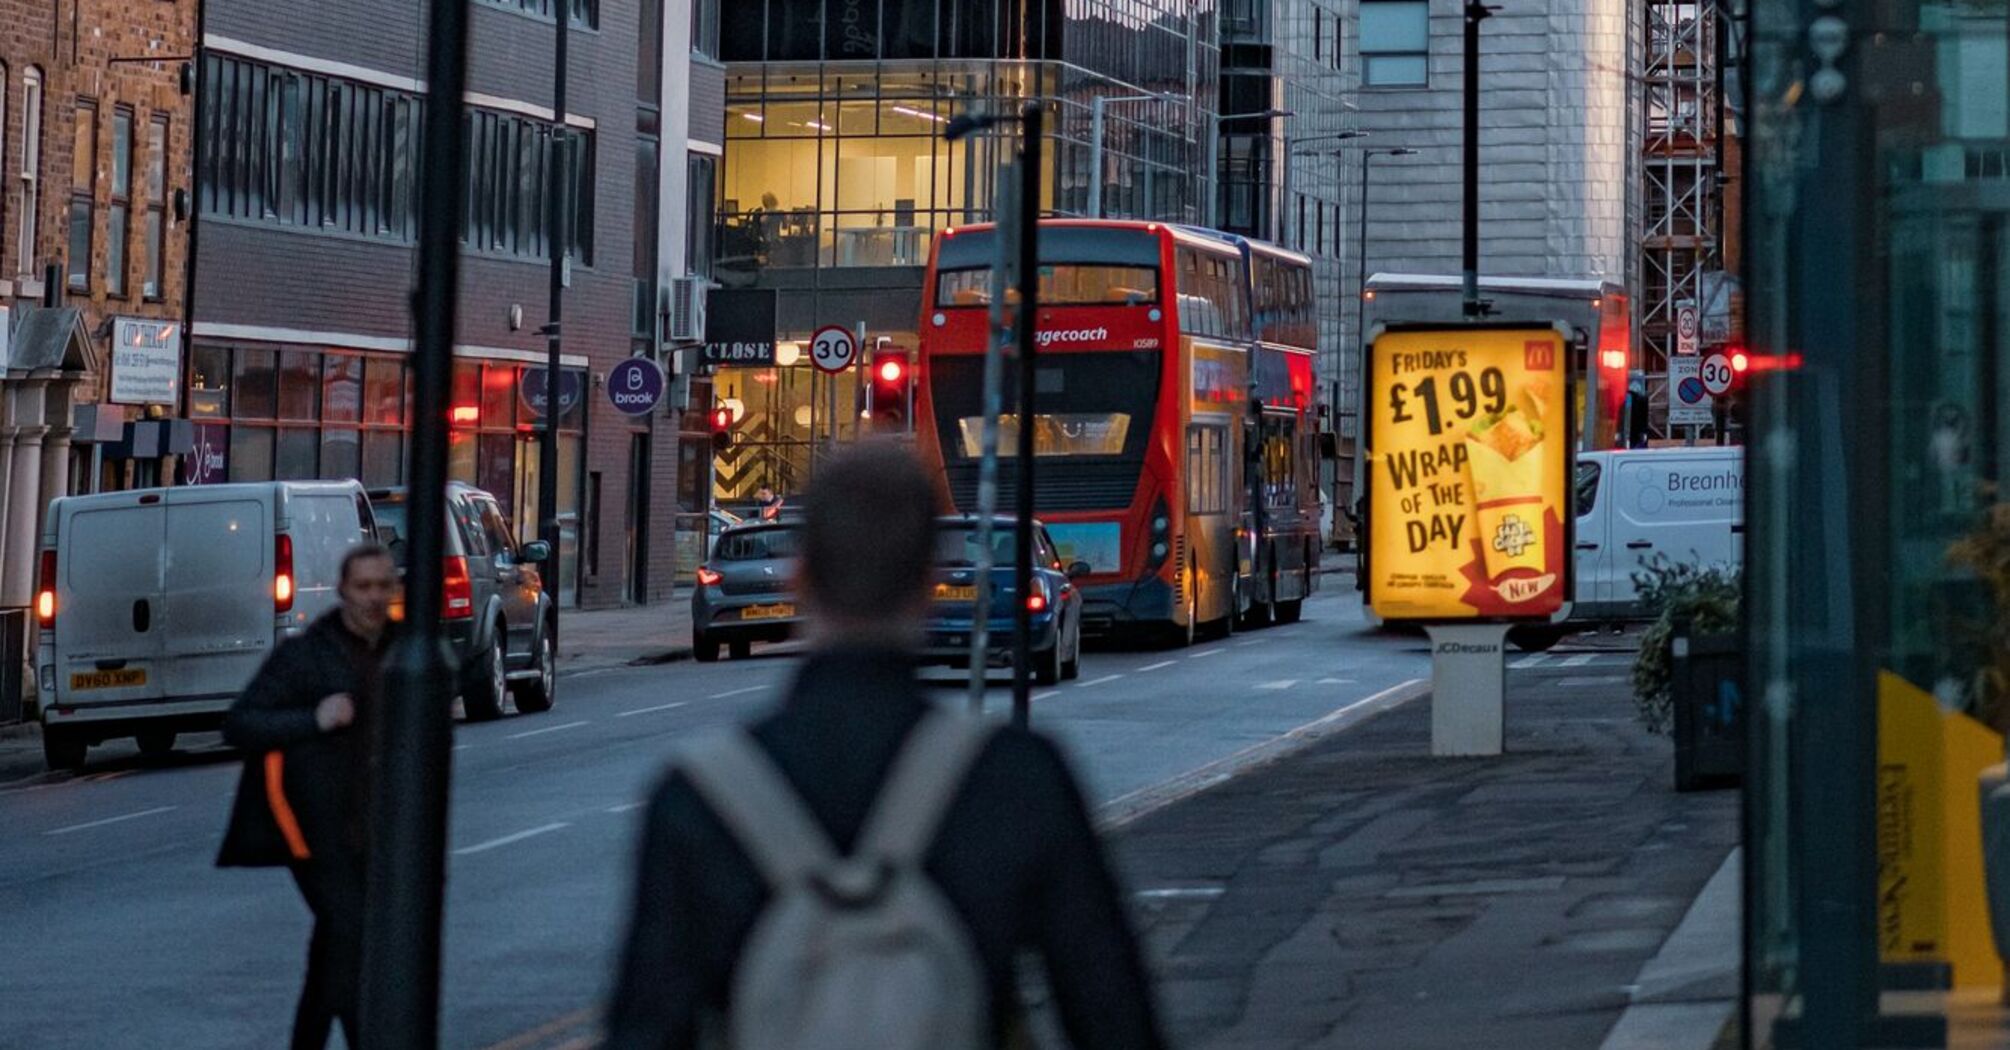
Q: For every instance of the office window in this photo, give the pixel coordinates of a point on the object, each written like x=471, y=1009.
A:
x=705, y=27
x=649, y=56
x=156, y=221
x=83, y=206
x=27, y=251
x=1339, y=32
x=1395, y=43
x=1318, y=32
x=118, y=218
x=585, y=13
x=643, y=255
x=699, y=198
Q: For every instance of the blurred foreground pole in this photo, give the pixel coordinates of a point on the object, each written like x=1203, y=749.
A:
x=1028, y=324
x=412, y=726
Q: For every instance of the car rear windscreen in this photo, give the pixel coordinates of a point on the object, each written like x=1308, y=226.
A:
x=756, y=545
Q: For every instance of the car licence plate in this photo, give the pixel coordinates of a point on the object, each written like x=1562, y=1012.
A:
x=950, y=592
x=120, y=679
x=767, y=612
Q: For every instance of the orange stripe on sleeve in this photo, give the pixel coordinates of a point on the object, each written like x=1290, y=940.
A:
x=282, y=810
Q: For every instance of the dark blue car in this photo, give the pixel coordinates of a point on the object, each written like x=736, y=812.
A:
x=1055, y=601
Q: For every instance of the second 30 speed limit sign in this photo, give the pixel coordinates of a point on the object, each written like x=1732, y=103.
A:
x=833, y=348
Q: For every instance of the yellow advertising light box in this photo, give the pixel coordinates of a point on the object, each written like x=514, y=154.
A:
x=1469, y=441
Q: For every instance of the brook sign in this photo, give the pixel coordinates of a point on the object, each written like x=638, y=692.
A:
x=635, y=386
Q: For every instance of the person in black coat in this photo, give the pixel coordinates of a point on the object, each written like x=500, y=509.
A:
x=302, y=803
x=1016, y=857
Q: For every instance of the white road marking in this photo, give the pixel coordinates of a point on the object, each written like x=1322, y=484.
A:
x=1156, y=666
x=483, y=847
x=1531, y=660
x=1282, y=683
x=736, y=692
x=1206, y=652
x=626, y=806
x=1098, y=681
x=462, y=747
x=648, y=710
x=1247, y=644
x=1336, y=681
x=1048, y=695
x=546, y=729
x=108, y=820
x=1576, y=661
x=1175, y=892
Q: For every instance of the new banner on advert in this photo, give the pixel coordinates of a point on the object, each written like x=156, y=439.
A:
x=1469, y=453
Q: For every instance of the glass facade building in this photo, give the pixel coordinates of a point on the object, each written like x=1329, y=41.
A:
x=1878, y=272
x=836, y=175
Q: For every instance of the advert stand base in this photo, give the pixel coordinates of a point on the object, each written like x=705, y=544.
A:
x=1468, y=684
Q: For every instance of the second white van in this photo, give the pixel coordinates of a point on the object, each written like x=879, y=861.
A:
x=1632, y=504
x=156, y=606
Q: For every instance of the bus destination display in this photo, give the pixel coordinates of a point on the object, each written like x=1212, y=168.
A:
x=1469, y=436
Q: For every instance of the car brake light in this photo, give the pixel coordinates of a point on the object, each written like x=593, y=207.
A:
x=45, y=590
x=708, y=578
x=282, y=573
x=457, y=589
x=1036, y=602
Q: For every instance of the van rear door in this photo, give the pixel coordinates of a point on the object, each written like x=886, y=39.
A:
x=1593, y=562
x=218, y=580
x=109, y=609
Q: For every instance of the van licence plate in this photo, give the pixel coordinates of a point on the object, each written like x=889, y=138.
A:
x=120, y=679
x=767, y=612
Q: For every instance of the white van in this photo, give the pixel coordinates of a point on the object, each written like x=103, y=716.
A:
x=1686, y=503
x=156, y=606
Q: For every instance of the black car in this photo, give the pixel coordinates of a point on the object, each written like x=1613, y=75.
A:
x=499, y=619
x=742, y=596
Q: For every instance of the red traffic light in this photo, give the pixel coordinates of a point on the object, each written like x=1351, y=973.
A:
x=1741, y=362
x=722, y=418
x=892, y=369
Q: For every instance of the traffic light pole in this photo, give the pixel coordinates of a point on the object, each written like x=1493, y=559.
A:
x=1028, y=323
x=411, y=733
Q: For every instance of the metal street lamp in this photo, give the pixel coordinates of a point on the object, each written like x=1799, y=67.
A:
x=1096, y=106
x=1361, y=253
x=1214, y=156
x=1338, y=136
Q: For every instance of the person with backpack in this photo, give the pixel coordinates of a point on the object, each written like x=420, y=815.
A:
x=302, y=801
x=860, y=869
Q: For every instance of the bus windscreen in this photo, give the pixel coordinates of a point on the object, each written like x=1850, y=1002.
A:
x=1090, y=404
x=1061, y=284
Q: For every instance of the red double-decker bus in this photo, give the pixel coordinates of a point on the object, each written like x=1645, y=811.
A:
x=1164, y=485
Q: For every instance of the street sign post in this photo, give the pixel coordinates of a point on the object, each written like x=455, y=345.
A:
x=833, y=349
x=1688, y=324
x=1688, y=393
x=1469, y=443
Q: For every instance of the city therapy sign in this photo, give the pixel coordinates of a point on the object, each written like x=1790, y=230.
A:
x=1469, y=451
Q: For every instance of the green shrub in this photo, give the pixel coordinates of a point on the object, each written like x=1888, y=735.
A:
x=1672, y=591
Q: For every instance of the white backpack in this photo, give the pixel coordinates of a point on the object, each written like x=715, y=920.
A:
x=851, y=952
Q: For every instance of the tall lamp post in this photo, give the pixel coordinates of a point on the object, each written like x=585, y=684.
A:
x=1096, y=106
x=1214, y=158
x=1030, y=118
x=1361, y=248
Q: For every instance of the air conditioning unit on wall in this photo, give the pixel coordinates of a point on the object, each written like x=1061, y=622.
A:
x=687, y=309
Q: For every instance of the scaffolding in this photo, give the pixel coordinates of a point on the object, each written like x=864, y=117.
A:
x=1683, y=188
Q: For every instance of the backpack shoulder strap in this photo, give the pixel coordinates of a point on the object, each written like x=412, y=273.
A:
x=925, y=778
x=758, y=805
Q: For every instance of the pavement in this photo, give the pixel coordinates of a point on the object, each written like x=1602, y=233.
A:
x=1363, y=894
x=1304, y=873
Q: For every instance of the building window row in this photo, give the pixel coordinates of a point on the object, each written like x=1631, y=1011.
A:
x=83, y=200
x=301, y=149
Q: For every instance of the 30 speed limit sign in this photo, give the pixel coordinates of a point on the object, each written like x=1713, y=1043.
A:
x=833, y=348
x=1716, y=374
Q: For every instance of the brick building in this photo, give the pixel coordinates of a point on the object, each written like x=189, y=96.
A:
x=307, y=196
x=96, y=146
